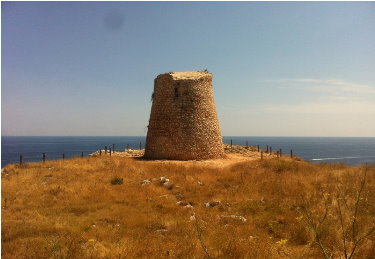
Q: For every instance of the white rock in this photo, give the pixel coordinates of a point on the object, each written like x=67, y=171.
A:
x=144, y=182
x=212, y=203
x=235, y=217
x=183, y=203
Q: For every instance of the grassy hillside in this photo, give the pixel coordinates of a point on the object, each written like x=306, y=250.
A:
x=117, y=207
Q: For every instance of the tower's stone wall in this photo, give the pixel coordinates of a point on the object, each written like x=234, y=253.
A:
x=183, y=122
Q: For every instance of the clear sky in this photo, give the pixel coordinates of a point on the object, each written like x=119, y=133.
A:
x=280, y=68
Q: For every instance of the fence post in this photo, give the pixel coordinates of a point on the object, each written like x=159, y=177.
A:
x=100, y=152
x=261, y=155
x=105, y=150
x=270, y=150
x=110, y=152
x=291, y=153
x=44, y=157
x=113, y=148
x=267, y=149
x=82, y=154
x=258, y=148
x=20, y=159
x=63, y=156
x=231, y=143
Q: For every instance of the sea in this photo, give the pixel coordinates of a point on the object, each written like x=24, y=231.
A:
x=348, y=150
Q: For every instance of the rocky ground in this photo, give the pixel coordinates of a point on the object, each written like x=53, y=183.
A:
x=240, y=206
x=233, y=154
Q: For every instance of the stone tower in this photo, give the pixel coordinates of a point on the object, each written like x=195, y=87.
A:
x=183, y=122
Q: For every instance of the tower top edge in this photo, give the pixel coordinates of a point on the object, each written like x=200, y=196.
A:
x=187, y=75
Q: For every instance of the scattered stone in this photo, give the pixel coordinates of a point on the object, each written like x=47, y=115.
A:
x=166, y=183
x=234, y=217
x=163, y=180
x=182, y=203
x=200, y=183
x=252, y=238
x=125, y=153
x=144, y=182
x=212, y=203
x=185, y=204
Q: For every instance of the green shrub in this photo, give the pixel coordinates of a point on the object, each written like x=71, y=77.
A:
x=117, y=180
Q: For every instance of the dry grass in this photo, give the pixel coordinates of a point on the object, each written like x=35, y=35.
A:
x=70, y=209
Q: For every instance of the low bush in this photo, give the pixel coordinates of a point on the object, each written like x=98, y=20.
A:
x=117, y=181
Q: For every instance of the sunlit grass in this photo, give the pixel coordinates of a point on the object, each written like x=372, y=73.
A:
x=79, y=209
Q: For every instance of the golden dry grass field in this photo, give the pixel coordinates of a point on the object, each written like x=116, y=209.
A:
x=237, y=207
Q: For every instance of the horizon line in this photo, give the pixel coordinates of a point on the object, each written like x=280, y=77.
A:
x=273, y=136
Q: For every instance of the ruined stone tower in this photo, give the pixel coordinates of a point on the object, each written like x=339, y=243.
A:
x=183, y=122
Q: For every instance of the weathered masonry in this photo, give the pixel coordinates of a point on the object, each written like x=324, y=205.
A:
x=183, y=122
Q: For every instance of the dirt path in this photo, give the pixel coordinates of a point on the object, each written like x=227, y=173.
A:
x=233, y=155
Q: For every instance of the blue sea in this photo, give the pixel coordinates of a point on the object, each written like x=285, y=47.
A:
x=352, y=151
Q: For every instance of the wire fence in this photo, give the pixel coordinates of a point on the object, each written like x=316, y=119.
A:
x=109, y=150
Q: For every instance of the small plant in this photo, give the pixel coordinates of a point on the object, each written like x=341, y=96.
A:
x=117, y=181
x=280, y=166
x=55, y=191
x=348, y=212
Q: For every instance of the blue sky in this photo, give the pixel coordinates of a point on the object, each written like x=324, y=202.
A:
x=280, y=68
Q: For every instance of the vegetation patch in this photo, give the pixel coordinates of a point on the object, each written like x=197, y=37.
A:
x=117, y=181
x=270, y=208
